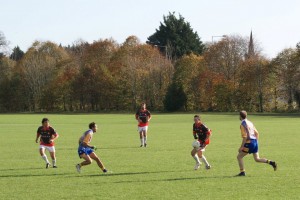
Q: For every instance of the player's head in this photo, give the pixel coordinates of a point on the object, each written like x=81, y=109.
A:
x=45, y=121
x=197, y=118
x=143, y=105
x=93, y=126
x=243, y=115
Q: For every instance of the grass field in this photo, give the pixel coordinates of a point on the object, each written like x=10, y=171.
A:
x=163, y=170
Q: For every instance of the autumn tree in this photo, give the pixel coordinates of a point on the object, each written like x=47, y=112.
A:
x=40, y=66
x=287, y=67
x=146, y=74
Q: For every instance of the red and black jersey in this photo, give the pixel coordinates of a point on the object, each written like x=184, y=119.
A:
x=201, y=132
x=46, y=134
x=143, y=115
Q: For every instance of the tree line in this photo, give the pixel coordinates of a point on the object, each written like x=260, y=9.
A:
x=173, y=71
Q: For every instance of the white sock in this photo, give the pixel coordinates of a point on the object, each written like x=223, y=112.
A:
x=145, y=139
x=45, y=158
x=54, y=162
x=142, y=141
x=196, y=158
x=204, y=160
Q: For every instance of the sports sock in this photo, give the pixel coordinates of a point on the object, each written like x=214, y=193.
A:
x=204, y=160
x=142, y=141
x=45, y=158
x=145, y=139
x=54, y=162
x=196, y=158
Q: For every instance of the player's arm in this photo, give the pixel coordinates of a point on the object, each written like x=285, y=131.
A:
x=208, y=133
x=244, y=138
x=137, y=117
x=37, y=137
x=149, y=116
x=256, y=133
x=195, y=135
x=55, y=136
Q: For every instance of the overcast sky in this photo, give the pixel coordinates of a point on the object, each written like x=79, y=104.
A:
x=275, y=23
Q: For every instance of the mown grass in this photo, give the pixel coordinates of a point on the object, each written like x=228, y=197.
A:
x=163, y=170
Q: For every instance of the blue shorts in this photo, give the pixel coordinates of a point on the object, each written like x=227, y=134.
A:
x=251, y=146
x=86, y=150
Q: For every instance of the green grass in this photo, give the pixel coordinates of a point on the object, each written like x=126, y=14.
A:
x=163, y=170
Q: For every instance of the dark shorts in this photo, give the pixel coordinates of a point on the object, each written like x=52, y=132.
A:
x=85, y=150
x=251, y=146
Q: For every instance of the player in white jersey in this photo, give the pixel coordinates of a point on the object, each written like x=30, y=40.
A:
x=249, y=144
x=86, y=151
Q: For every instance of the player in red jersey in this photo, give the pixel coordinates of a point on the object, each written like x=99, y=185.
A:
x=143, y=116
x=202, y=134
x=47, y=135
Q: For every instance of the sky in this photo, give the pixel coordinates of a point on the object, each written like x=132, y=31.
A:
x=274, y=23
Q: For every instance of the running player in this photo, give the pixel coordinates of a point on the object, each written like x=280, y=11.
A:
x=86, y=151
x=202, y=134
x=249, y=144
x=143, y=117
x=47, y=135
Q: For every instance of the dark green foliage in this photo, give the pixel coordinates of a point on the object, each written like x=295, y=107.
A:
x=17, y=54
x=176, y=38
x=175, y=98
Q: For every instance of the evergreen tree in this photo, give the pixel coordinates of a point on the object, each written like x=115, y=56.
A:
x=176, y=38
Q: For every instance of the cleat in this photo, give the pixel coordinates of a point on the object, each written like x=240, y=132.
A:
x=197, y=166
x=104, y=170
x=241, y=174
x=145, y=145
x=207, y=167
x=78, y=168
x=141, y=145
x=274, y=165
x=54, y=166
x=47, y=165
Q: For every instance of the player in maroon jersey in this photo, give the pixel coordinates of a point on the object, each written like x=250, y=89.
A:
x=47, y=135
x=202, y=134
x=143, y=117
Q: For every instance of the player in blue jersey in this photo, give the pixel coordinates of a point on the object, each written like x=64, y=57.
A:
x=86, y=151
x=250, y=144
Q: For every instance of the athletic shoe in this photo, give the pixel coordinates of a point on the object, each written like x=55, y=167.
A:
x=105, y=170
x=207, y=166
x=141, y=145
x=47, y=165
x=54, y=166
x=241, y=174
x=145, y=145
x=197, y=166
x=78, y=168
x=274, y=165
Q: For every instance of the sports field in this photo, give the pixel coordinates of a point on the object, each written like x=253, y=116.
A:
x=163, y=170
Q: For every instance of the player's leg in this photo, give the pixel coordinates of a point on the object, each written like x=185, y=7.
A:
x=264, y=160
x=141, y=136
x=87, y=160
x=97, y=159
x=52, y=154
x=195, y=156
x=203, y=158
x=240, y=157
x=145, y=135
x=44, y=156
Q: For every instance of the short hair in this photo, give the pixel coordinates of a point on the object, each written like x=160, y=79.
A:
x=143, y=103
x=92, y=125
x=45, y=120
x=243, y=114
x=198, y=116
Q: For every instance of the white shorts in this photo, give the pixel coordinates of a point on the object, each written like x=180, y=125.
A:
x=143, y=128
x=200, y=149
x=50, y=149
